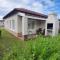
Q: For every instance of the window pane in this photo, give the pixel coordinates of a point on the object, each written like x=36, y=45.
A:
x=31, y=24
x=10, y=23
x=49, y=26
x=13, y=24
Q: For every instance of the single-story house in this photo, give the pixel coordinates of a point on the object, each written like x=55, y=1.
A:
x=24, y=23
x=1, y=23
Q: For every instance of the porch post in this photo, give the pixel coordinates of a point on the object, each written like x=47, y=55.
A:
x=24, y=27
x=46, y=28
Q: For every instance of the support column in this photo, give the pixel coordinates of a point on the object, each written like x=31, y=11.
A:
x=24, y=27
x=46, y=29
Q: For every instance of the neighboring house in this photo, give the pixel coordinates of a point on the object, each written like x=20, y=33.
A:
x=25, y=24
x=1, y=23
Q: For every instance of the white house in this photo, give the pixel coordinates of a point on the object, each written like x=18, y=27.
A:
x=25, y=24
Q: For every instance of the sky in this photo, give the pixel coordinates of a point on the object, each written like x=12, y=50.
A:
x=41, y=6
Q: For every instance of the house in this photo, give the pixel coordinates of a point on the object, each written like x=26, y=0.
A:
x=25, y=24
x=1, y=23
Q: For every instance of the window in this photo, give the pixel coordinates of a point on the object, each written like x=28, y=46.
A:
x=10, y=23
x=31, y=24
x=50, y=26
x=13, y=24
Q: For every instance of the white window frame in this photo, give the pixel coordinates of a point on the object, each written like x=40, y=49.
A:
x=13, y=24
x=31, y=24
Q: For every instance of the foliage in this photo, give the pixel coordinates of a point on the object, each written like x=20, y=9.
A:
x=39, y=48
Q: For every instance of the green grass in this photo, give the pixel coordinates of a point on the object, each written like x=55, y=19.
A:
x=39, y=48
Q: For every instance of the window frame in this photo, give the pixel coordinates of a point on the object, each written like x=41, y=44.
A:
x=31, y=24
x=13, y=24
x=49, y=25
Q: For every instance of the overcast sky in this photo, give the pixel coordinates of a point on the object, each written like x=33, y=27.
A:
x=42, y=6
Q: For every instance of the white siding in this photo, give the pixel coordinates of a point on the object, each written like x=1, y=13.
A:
x=8, y=23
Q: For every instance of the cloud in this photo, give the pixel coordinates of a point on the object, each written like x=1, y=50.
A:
x=58, y=16
x=42, y=6
x=36, y=6
x=49, y=3
x=1, y=17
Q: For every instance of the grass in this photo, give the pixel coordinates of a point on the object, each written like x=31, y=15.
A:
x=39, y=48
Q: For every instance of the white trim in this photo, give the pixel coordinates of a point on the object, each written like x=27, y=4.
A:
x=24, y=25
x=35, y=17
x=21, y=14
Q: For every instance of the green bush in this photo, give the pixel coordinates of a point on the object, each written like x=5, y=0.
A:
x=39, y=48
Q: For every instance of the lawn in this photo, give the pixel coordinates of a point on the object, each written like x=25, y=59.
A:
x=39, y=48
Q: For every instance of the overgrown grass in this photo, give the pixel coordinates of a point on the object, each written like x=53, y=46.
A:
x=39, y=48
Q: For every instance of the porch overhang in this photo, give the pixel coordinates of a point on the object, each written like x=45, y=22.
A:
x=32, y=17
x=36, y=18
